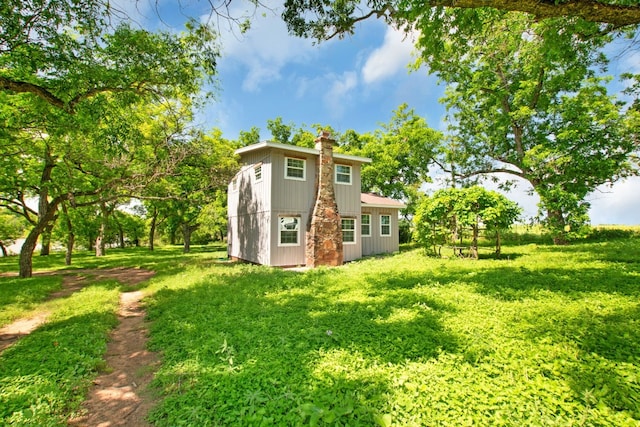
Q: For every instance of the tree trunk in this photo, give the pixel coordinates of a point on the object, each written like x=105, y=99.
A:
x=121, y=234
x=498, y=243
x=557, y=225
x=29, y=245
x=45, y=241
x=474, y=242
x=4, y=250
x=186, y=235
x=100, y=243
x=71, y=237
x=46, y=215
x=152, y=228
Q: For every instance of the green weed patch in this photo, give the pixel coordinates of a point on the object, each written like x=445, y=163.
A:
x=545, y=336
x=45, y=375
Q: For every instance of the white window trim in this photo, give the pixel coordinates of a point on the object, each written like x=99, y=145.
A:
x=280, y=230
x=355, y=231
x=304, y=169
x=362, y=223
x=382, y=225
x=255, y=176
x=335, y=174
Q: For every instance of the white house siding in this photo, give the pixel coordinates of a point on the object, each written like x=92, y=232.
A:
x=248, y=210
x=348, y=200
x=290, y=198
x=377, y=244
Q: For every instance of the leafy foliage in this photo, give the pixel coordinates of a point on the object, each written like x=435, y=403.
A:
x=526, y=102
x=547, y=337
x=440, y=217
x=401, y=152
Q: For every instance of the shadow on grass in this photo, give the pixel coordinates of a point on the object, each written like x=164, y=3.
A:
x=281, y=347
x=45, y=374
x=605, y=370
x=516, y=283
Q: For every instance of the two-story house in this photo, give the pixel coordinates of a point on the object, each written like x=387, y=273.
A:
x=295, y=206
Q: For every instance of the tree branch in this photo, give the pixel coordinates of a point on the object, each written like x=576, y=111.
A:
x=589, y=10
x=47, y=96
x=25, y=87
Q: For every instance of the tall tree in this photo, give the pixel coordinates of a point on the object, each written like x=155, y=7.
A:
x=402, y=151
x=180, y=199
x=64, y=71
x=526, y=102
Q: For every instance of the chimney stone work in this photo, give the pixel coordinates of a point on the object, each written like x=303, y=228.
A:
x=324, y=236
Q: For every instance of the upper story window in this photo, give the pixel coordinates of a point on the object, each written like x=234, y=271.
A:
x=365, y=225
x=348, y=230
x=257, y=172
x=289, y=231
x=343, y=174
x=234, y=183
x=295, y=168
x=385, y=225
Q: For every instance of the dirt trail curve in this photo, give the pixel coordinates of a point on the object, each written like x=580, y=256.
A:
x=119, y=397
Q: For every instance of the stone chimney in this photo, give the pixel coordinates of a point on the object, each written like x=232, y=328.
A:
x=324, y=236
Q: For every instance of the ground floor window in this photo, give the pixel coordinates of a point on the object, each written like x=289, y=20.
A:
x=348, y=230
x=385, y=225
x=365, y=225
x=289, y=231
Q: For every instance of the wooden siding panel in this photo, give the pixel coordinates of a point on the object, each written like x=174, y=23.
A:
x=287, y=256
x=377, y=244
x=248, y=207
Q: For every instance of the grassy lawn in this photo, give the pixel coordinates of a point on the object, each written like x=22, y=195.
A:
x=545, y=336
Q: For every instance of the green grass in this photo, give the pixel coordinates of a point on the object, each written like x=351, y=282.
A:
x=544, y=336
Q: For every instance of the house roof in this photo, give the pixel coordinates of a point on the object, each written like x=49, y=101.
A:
x=296, y=149
x=375, y=201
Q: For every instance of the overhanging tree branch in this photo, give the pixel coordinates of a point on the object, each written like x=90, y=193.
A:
x=46, y=95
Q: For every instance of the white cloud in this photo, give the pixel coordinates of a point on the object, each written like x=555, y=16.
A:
x=394, y=55
x=339, y=93
x=264, y=50
x=619, y=204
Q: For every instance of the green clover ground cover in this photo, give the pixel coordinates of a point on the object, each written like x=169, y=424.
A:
x=544, y=336
x=45, y=375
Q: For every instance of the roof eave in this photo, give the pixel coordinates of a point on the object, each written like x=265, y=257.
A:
x=382, y=206
x=297, y=149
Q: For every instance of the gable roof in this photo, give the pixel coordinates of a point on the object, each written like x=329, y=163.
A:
x=297, y=149
x=373, y=200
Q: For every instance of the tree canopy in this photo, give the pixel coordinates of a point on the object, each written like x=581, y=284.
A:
x=324, y=20
x=526, y=100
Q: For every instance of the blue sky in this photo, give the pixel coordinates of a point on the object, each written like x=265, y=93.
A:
x=353, y=83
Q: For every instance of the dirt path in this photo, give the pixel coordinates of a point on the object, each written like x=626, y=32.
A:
x=119, y=397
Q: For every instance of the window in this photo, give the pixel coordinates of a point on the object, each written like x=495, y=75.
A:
x=257, y=172
x=343, y=174
x=289, y=230
x=234, y=183
x=348, y=230
x=385, y=225
x=294, y=168
x=365, y=225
